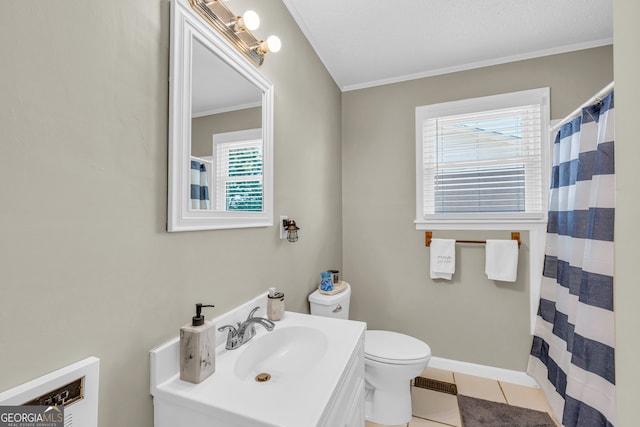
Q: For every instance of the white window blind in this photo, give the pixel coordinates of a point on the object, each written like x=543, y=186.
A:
x=482, y=163
x=239, y=171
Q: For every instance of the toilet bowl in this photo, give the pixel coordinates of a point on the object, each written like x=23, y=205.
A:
x=391, y=361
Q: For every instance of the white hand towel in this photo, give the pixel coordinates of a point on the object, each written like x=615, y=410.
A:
x=442, y=258
x=501, y=262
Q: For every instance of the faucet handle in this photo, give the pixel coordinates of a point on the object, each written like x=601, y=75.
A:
x=232, y=330
x=253, y=312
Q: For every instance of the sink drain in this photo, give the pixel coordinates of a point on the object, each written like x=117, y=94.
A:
x=263, y=377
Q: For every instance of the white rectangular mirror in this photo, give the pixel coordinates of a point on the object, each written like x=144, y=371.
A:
x=220, y=131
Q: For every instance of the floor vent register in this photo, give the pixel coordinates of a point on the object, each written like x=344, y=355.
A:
x=435, y=385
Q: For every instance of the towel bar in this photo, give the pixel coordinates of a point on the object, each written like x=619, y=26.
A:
x=428, y=235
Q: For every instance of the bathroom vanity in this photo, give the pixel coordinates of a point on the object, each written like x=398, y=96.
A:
x=313, y=366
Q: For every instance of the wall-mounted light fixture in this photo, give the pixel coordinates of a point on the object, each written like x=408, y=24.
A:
x=290, y=229
x=237, y=29
x=272, y=44
x=249, y=21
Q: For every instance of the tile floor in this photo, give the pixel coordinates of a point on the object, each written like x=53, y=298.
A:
x=436, y=409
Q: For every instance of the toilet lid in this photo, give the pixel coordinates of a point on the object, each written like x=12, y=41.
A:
x=394, y=348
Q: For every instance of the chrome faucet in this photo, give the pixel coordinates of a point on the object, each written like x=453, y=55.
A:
x=244, y=331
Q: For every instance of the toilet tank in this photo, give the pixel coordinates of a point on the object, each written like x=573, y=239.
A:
x=336, y=305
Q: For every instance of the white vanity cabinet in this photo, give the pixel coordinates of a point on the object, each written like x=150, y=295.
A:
x=346, y=408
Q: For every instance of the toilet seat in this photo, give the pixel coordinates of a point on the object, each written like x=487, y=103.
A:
x=394, y=348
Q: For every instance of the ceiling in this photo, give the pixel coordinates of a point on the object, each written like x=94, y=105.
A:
x=366, y=43
x=217, y=87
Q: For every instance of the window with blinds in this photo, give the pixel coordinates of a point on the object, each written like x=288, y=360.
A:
x=239, y=172
x=478, y=162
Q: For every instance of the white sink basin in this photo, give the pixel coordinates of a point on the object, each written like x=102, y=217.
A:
x=284, y=354
x=316, y=366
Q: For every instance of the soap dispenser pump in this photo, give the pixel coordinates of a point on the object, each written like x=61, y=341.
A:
x=197, y=348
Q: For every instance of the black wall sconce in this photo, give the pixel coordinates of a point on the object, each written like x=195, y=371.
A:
x=290, y=229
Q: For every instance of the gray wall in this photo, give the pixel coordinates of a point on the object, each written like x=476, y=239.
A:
x=470, y=318
x=86, y=264
x=626, y=37
x=203, y=127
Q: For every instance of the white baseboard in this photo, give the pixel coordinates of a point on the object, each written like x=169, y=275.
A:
x=498, y=374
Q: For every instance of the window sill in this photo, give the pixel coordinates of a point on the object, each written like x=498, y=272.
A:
x=480, y=224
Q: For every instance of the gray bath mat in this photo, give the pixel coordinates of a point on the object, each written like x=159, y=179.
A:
x=484, y=413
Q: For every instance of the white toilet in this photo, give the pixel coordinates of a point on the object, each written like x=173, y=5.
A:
x=391, y=361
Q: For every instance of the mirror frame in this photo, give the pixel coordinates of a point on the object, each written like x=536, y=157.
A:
x=187, y=25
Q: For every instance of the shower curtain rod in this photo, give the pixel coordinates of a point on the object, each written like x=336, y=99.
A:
x=595, y=98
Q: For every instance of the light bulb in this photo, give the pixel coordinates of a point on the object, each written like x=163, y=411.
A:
x=251, y=20
x=274, y=44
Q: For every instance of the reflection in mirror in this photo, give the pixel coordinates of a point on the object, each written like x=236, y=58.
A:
x=220, y=131
x=226, y=137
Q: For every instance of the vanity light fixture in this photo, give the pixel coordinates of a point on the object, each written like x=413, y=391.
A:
x=249, y=21
x=291, y=229
x=272, y=44
x=237, y=29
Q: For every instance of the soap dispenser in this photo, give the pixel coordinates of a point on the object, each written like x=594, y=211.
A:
x=197, y=348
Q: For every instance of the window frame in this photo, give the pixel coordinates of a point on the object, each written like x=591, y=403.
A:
x=496, y=221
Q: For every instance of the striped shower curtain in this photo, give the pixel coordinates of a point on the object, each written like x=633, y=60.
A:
x=199, y=186
x=572, y=357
